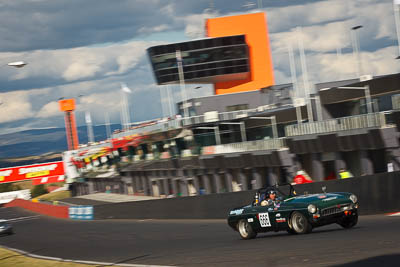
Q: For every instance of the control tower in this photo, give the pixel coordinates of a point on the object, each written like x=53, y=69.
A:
x=68, y=106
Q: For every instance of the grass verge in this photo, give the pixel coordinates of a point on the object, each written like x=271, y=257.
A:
x=10, y=258
x=55, y=196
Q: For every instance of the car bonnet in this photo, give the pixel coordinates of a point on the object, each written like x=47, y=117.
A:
x=325, y=199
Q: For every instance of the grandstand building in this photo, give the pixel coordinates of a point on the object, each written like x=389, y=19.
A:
x=251, y=132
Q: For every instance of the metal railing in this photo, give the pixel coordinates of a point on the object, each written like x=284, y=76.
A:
x=188, y=121
x=269, y=144
x=373, y=120
x=161, y=126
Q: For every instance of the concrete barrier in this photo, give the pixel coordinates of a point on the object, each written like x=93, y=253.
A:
x=46, y=209
x=376, y=193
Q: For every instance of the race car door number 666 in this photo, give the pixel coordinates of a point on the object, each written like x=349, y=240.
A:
x=264, y=219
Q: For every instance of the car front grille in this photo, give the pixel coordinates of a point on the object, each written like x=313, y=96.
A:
x=334, y=210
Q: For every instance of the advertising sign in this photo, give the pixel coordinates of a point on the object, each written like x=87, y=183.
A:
x=81, y=212
x=30, y=172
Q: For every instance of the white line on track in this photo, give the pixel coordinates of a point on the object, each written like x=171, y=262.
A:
x=80, y=261
x=23, y=218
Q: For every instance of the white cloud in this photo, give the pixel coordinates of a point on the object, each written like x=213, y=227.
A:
x=79, y=63
x=15, y=106
x=49, y=110
x=79, y=70
x=195, y=25
x=96, y=71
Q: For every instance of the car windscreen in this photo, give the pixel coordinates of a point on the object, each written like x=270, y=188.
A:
x=283, y=191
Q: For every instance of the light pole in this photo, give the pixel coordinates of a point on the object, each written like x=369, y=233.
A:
x=296, y=96
x=182, y=83
x=88, y=122
x=126, y=120
x=169, y=102
x=306, y=82
x=356, y=48
x=396, y=4
x=273, y=122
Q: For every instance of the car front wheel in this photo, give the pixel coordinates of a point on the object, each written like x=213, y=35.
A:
x=299, y=223
x=245, y=230
x=349, y=222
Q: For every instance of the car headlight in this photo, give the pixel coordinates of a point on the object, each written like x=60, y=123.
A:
x=353, y=198
x=312, y=208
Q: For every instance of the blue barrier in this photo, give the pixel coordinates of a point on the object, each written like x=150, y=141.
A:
x=81, y=212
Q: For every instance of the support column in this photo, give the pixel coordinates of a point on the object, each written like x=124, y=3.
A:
x=134, y=183
x=159, y=186
x=183, y=187
x=367, y=167
x=166, y=187
x=91, y=189
x=236, y=184
x=207, y=184
x=243, y=180
x=217, y=182
x=340, y=163
x=146, y=189
x=272, y=176
x=196, y=183
x=175, y=188
x=393, y=159
x=228, y=181
x=317, y=173
x=258, y=177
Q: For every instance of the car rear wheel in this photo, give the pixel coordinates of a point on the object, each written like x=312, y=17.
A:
x=245, y=230
x=299, y=223
x=349, y=222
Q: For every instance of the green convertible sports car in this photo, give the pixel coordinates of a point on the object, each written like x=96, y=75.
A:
x=296, y=214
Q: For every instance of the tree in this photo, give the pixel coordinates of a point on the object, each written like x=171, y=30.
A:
x=8, y=187
x=38, y=190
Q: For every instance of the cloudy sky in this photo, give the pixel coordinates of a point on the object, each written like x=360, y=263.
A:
x=85, y=49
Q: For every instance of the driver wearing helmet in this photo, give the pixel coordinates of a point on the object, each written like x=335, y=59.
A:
x=270, y=198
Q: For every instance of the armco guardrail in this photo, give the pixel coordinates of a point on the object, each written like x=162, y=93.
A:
x=376, y=193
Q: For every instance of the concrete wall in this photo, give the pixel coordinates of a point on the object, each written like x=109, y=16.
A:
x=45, y=209
x=376, y=194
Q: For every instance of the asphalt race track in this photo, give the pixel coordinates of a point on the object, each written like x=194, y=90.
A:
x=374, y=241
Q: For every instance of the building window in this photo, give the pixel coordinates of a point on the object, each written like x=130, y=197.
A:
x=237, y=107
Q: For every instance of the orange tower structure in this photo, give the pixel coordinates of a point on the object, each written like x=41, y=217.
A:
x=68, y=107
x=254, y=27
